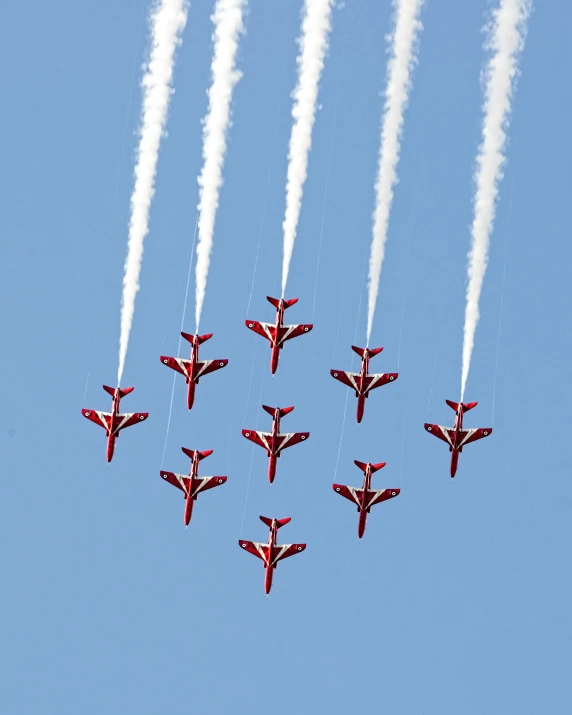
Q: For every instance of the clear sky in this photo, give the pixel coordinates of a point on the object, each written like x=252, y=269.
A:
x=457, y=600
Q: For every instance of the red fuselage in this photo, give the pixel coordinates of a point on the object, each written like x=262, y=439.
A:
x=268, y=564
x=193, y=380
x=111, y=436
x=361, y=393
x=273, y=456
x=362, y=508
x=189, y=494
x=275, y=338
x=455, y=449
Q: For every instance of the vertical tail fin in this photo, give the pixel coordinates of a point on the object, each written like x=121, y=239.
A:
x=196, y=338
x=122, y=391
x=280, y=522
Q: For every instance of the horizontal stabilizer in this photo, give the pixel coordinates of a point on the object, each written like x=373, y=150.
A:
x=196, y=338
x=191, y=453
x=374, y=467
x=466, y=405
x=272, y=410
x=279, y=522
x=122, y=391
x=371, y=351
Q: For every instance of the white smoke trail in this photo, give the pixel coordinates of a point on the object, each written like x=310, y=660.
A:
x=167, y=20
x=505, y=40
x=313, y=45
x=227, y=19
x=403, y=46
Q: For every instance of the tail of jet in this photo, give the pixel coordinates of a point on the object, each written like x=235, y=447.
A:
x=122, y=391
x=196, y=338
x=370, y=351
x=466, y=405
x=374, y=467
x=279, y=522
x=276, y=302
x=272, y=410
x=191, y=453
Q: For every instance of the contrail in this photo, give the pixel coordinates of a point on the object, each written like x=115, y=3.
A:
x=167, y=20
x=227, y=19
x=506, y=34
x=401, y=62
x=313, y=44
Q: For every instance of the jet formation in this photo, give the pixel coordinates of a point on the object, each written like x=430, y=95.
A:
x=274, y=441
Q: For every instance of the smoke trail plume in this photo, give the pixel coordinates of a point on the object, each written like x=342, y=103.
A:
x=505, y=40
x=403, y=46
x=167, y=20
x=227, y=19
x=313, y=45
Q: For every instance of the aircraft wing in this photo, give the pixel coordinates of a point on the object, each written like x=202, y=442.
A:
x=255, y=548
x=181, y=481
x=348, y=378
x=290, y=439
x=99, y=418
x=287, y=332
x=201, y=484
x=472, y=435
x=262, y=439
x=373, y=381
x=350, y=493
x=283, y=551
x=444, y=433
x=376, y=496
x=177, y=364
x=206, y=366
x=130, y=419
x=264, y=329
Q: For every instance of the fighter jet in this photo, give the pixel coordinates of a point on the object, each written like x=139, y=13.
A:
x=194, y=368
x=365, y=497
x=274, y=442
x=278, y=333
x=457, y=437
x=362, y=382
x=192, y=484
x=113, y=422
x=271, y=553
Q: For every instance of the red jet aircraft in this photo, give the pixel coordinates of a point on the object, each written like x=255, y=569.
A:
x=278, y=333
x=365, y=497
x=362, y=382
x=194, y=368
x=274, y=442
x=457, y=437
x=271, y=553
x=192, y=484
x=113, y=422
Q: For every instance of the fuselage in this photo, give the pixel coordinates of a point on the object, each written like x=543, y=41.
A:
x=272, y=454
x=111, y=436
x=362, y=507
x=269, y=566
x=193, y=380
x=362, y=393
x=275, y=337
x=189, y=495
x=455, y=449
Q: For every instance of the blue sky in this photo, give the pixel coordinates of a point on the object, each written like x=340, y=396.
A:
x=457, y=599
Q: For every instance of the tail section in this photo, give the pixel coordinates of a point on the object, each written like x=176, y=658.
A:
x=122, y=391
x=276, y=303
x=372, y=352
x=191, y=453
x=196, y=338
x=374, y=467
x=272, y=410
x=465, y=405
x=280, y=522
